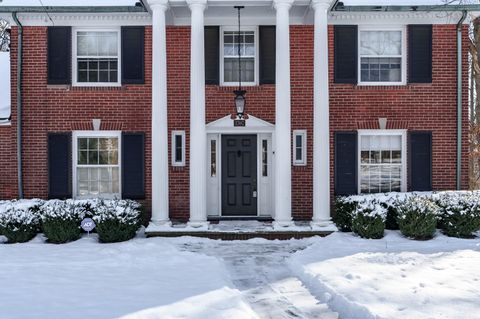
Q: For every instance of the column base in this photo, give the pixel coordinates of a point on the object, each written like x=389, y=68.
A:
x=158, y=225
x=326, y=225
x=200, y=225
x=279, y=225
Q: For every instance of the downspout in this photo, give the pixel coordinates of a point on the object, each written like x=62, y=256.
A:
x=459, y=99
x=19, y=105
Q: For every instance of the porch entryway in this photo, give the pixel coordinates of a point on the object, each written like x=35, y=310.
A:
x=240, y=169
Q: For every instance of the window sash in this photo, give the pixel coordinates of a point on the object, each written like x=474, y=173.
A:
x=234, y=55
x=95, y=186
x=178, y=150
x=376, y=173
x=299, y=148
x=383, y=80
x=104, y=77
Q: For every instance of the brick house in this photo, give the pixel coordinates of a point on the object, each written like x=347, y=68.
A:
x=138, y=102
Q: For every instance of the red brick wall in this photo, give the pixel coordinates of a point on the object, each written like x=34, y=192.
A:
x=56, y=108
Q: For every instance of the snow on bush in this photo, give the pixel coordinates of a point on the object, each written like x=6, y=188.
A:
x=460, y=213
x=61, y=220
x=19, y=224
x=369, y=219
x=417, y=217
x=117, y=220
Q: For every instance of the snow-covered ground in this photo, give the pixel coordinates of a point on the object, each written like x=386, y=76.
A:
x=393, y=277
x=187, y=277
x=139, y=279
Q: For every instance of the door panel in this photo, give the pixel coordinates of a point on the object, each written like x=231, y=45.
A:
x=239, y=175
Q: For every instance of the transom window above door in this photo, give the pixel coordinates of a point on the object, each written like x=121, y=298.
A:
x=232, y=40
x=96, y=57
x=382, y=56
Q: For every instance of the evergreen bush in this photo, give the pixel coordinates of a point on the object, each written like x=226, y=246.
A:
x=417, y=217
x=117, y=220
x=61, y=220
x=369, y=220
x=344, y=209
x=19, y=224
x=460, y=214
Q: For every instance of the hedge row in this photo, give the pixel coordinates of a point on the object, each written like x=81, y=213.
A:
x=417, y=215
x=116, y=220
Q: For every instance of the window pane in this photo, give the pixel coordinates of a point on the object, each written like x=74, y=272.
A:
x=97, y=70
x=396, y=156
x=178, y=148
x=386, y=157
x=103, y=158
x=380, y=42
x=298, y=154
x=264, y=158
x=213, y=158
x=247, y=69
x=381, y=69
x=365, y=157
x=105, y=174
x=298, y=139
x=82, y=157
x=82, y=174
x=93, y=174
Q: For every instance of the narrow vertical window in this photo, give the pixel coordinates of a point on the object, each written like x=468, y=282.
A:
x=178, y=148
x=264, y=158
x=299, y=147
x=213, y=158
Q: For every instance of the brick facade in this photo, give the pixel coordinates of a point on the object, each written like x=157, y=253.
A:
x=429, y=107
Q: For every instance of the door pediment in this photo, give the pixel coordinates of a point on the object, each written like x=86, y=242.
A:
x=252, y=124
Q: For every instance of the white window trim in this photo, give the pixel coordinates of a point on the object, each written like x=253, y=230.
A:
x=403, y=134
x=303, y=134
x=79, y=134
x=74, y=58
x=174, y=147
x=222, y=60
x=403, y=29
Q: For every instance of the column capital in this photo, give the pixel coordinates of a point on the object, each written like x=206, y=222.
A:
x=158, y=4
x=192, y=4
x=277, y=4
x=321, y=4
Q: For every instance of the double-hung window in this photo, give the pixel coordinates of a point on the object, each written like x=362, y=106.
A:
x=382, y=161
x=97, y=164
x=299, y=147
x=231, y=41
x=382, y=56
x=96, y=57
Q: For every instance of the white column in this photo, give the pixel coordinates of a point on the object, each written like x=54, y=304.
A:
x=198, y=135
x=159, y=115
x=321, y=125
x=283, y=154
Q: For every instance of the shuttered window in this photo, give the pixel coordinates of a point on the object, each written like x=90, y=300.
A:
x=97, y=57
x=97, y=164
x=231, y=41
x=381, y=56
x=382, y=161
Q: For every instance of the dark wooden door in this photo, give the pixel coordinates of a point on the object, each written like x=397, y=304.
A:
x=239, y=175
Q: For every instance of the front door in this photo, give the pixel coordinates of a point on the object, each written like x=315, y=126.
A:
x=239, y=175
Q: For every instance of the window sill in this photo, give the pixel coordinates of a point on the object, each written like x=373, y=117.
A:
x=6, y=123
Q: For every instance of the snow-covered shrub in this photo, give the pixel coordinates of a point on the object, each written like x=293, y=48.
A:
x=460, y=213
x=19, y=224
x=369, y=219
x=117, y=220
x=344, y=209
x=417, y=217
x=61, y=220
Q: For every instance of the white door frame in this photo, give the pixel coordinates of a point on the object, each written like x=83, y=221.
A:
x=254, y=126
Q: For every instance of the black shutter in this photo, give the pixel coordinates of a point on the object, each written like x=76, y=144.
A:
x=420, y=161
x=59, y=59
x=59, y=165
x=345, y=54
x=345, y=163
x=133, y=165
x=420, y=53
x=212, y=55
x=133, y=55
x=267, y=47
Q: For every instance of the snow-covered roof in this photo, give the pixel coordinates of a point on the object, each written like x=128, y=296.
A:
x=406, y=2
x=4, y=85
x=35, y=3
